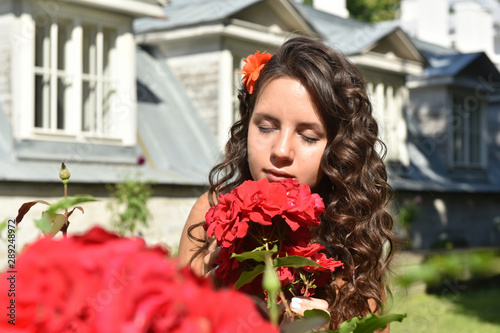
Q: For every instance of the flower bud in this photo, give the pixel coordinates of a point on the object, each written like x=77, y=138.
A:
x=64, y=174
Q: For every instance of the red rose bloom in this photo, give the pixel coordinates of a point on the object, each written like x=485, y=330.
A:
x=262, y=212
x=100, y=282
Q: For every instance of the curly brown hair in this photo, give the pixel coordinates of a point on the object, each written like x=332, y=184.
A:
x=356, y=226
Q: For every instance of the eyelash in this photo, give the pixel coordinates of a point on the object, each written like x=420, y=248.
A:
x=304, y=138
x=265, y=129
x=308, y=140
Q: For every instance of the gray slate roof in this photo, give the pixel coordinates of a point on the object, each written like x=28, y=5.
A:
x=453, y=64
x=175, y=137
x=192, y=12
x=347, y=35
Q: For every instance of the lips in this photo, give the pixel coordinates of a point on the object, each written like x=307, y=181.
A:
x=277, y=176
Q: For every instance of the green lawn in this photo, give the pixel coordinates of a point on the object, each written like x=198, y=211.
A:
x=453, y=308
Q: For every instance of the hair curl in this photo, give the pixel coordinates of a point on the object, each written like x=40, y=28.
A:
x=356, y=226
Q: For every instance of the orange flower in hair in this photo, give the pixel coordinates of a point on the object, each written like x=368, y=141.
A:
x=254, y=63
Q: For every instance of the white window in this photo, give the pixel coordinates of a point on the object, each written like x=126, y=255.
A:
x=82, y=77
x=468, y=144
x=56, y=73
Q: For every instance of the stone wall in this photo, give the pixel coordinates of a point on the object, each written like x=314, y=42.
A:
x=199, y=77
x=169, y=206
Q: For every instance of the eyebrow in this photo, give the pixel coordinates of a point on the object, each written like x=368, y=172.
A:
x=315, y=126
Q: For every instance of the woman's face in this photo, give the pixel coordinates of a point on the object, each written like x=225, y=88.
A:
x=286, y=136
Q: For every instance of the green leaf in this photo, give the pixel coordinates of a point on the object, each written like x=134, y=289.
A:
x=65, y=203
x=294, y=261
x=44, y=224
x=303, y=325
x=248, y=276
x=259, y=256
x=369, y=323
x=317, y=313
x=57, y=223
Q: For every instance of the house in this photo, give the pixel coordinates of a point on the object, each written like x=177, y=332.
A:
x=102, y=85
x=74, y=86
x=419, y=91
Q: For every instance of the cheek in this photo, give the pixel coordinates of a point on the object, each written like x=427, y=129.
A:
x=252, y=151
x=313, y=162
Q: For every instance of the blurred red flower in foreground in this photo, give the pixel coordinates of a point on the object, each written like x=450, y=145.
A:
x=100, y=282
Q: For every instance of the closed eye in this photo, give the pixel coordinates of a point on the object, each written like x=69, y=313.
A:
x=263, y=129
x=309, y=140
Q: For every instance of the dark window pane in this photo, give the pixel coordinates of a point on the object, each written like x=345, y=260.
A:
x=38, y=101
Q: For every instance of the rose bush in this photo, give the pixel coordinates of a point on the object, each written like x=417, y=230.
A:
x=100, y=282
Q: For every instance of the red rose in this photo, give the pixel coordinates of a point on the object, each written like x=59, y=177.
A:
x=304, y=207
x=258, y=215
x=303, y=249
x=100, y=282
x=327, y=264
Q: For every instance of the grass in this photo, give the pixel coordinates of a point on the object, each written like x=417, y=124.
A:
x=473, y=311
x=454, y=307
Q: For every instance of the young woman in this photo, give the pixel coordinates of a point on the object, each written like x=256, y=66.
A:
x=305, y=114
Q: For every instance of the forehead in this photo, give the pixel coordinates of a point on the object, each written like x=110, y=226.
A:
x=287, y=98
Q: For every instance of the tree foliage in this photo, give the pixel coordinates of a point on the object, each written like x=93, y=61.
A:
x=373, y=10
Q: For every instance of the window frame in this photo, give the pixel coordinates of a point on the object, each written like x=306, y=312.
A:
x=480, y=107
x=24, y=69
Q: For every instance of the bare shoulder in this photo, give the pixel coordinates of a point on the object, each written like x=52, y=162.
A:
x=199, y=210
x=193, y=235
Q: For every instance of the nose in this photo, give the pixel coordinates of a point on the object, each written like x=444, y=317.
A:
x=283, y=150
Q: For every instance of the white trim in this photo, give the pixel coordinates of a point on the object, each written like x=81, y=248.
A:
x=390, y=64
x=291, y=12
x=438, y=81
x=129, y=7
x=206, y=31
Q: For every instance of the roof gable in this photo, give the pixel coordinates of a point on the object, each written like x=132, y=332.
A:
x=353, y=37
x=267, y=13
x=396, y=41
x=468, y=65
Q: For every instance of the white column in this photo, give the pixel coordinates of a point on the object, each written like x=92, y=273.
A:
x=125, y=109
x=53, y=75
x=74, y=122
x=22, y=65
x=225, y=97
x=401, y=97
x=378, y=108
x=391, y=120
